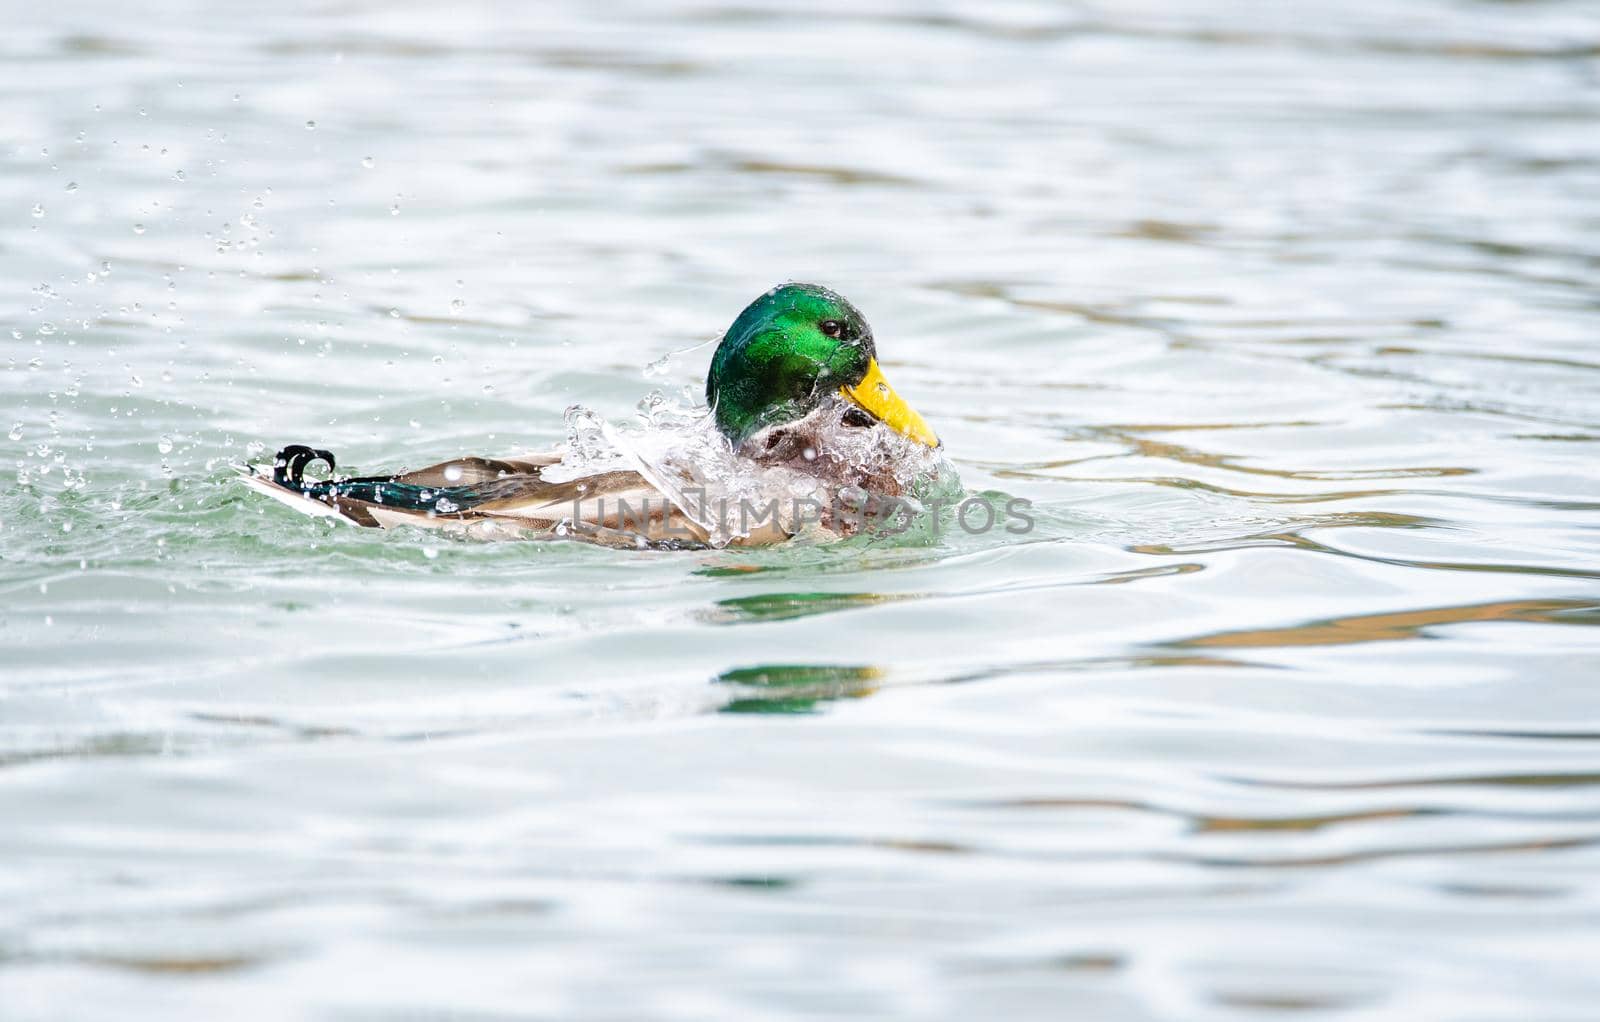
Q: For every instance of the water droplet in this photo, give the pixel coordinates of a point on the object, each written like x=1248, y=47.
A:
x=488, y=388
x=444, y=505
x=138, y=228
x=394, y=313
x=66, y=526
x=38, y=210
x=368, y=162
x=456, y=306
x=438, y=360
x=452, y=473
x=179, y=175
x=394, y=210
x=660, y=366
x=72, y=186
x=311, y=125
x=16, y=431
x=431, y=553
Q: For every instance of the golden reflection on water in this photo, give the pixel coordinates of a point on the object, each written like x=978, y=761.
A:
x=1407, y=624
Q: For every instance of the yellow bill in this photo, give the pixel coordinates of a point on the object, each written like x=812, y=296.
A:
x=875, y=397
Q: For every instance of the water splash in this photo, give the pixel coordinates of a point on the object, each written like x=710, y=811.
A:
x=663, y=365
x=675, y=445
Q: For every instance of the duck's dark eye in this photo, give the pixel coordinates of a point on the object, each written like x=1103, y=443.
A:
x=832, y=327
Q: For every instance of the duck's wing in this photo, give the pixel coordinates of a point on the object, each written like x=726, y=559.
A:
x=491, y=498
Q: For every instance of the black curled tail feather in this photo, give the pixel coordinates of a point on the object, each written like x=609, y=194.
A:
x=289, y=465
x=352, y=494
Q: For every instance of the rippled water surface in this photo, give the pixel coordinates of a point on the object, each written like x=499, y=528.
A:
x=1284, y=316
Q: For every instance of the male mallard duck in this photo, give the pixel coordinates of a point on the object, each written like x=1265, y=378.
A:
x=797, y=407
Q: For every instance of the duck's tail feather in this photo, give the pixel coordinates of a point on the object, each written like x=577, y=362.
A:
x=396, y=491
x=488, y=498
x=289, y=464
x=446, y=490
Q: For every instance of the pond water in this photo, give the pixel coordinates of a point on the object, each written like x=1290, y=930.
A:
x=1284, y=317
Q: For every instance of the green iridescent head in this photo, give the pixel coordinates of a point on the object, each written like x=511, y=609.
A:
x=788, y=352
